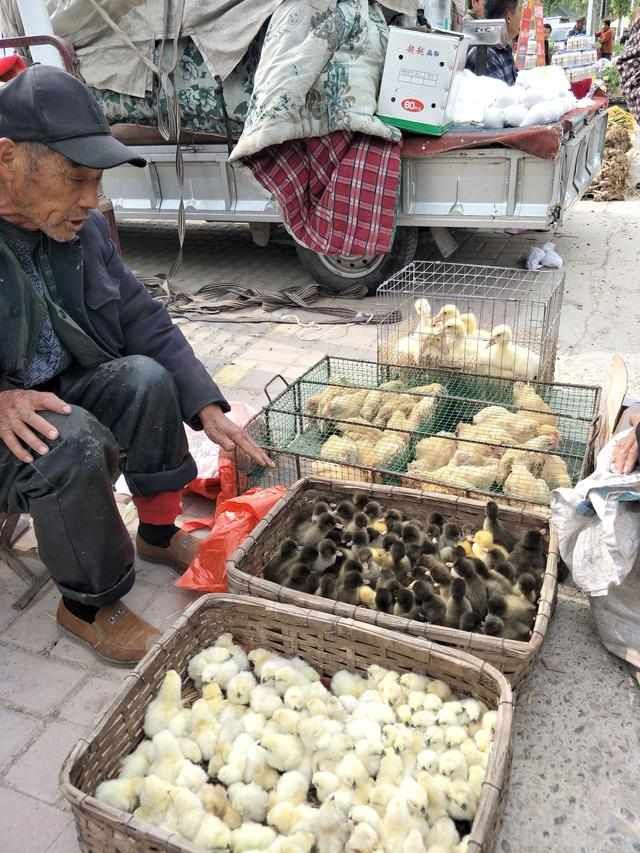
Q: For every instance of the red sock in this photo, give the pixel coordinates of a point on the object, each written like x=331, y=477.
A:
x=162, y=508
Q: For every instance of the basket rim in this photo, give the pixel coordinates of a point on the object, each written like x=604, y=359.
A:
x=495, y=779
x=475, y=642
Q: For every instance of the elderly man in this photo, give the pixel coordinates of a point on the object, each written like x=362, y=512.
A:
x=93, y=375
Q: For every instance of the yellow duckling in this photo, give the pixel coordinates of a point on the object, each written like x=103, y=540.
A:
x=470, y=322
x=466, y=546
x=380, y=526
x=446, y=313
x=366, y=596
x=381, y=557
x=483, y=543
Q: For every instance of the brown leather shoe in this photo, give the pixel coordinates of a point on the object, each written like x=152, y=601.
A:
x=117, y=635
x=178, y=554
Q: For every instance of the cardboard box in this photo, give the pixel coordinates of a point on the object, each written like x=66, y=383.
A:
x=419, y=70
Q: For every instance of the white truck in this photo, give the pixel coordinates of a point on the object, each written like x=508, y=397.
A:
x=496, y=184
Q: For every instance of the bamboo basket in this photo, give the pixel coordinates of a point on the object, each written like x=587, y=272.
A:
x=324, y=641
x=512, y=657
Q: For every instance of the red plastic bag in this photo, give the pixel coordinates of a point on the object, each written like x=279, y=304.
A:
x=234, y=521
x=216, y=467
x=218, y=488
x=11, y=66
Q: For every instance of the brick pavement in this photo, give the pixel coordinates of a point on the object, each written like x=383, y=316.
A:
x=574, y=786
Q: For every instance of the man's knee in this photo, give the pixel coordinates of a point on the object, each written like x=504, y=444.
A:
x=141, y=373
x=83, y=437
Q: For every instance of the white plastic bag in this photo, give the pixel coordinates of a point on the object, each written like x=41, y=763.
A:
x=471, y=95
x=598, y=524
x=552, y=259
x=617, y=617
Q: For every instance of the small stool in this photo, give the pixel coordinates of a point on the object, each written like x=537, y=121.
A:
x=12, y=527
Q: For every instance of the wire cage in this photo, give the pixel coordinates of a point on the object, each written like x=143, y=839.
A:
x=427, y=428
x=492, y=321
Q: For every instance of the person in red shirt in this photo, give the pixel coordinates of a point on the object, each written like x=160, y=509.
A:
x=605, y=40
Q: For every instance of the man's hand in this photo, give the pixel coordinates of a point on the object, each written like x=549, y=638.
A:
x=224, y=432
x=625, y=455
x=20, y=421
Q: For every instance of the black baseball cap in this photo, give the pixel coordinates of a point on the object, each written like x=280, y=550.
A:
x=45, y=104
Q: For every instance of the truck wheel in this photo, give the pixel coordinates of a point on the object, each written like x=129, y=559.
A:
x=338, y=273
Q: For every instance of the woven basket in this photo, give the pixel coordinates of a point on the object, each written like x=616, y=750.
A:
x=512, y=657
x=325, y=642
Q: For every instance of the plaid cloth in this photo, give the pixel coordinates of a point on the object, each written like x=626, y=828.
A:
x=500, y=63
x=629, y=66
x=337, y=193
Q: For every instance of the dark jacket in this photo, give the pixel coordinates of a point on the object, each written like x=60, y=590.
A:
x=112, y=307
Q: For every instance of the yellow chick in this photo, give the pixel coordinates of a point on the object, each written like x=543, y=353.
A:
x=420, y=412
x=436, y=451
x=340, y=449
x=525, y=397
x=523, y=485
x=333, y=471
x=467, y=476
x=166, y=705
x=366, y=455
x=323, y=400
x=487, y=433
x=359, y=429
x=347, y=405
x=390, y=445
x=371, y=405
x=555, y=473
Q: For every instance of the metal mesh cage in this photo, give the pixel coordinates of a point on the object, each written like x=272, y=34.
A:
x=427, y=428
x=492, y=321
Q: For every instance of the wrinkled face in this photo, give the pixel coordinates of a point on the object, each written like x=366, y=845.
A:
x=43, y=191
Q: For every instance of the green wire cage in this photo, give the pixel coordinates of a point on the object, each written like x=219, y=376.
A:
x=319, y=426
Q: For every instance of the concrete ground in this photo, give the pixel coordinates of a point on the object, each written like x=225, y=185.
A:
x=574, y=781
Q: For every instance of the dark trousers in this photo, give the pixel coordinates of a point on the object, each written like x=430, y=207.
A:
x=125, y=415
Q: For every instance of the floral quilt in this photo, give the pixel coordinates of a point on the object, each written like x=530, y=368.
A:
x=319, y=72
x=201, y=109
x=314, y=69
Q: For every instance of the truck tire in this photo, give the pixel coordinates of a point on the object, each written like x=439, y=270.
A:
x=339, y=273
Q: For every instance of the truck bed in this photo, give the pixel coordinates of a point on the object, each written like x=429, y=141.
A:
x=469, y=178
